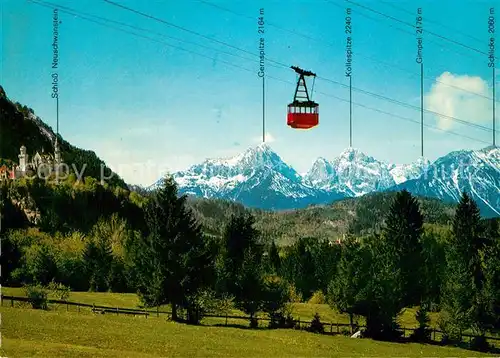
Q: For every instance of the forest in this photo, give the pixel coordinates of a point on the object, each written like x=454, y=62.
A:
x=398, y=251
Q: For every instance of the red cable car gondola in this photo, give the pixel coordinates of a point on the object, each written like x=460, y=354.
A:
x=302, y=112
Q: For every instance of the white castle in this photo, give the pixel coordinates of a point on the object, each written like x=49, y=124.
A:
x=42, y=165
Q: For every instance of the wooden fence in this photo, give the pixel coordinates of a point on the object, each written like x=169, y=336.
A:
x=332, y=328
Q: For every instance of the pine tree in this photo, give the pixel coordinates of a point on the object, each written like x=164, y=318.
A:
x=240, y=269
x=396, y=274
x=346, y=292
x=385, y=290
x=249, y=281
x=403, y=230
x=299, y=268
x=325, y=260
x=274, y=257
x=463, y=295
x=492, y=272
x=239, y=236
x=173, y=261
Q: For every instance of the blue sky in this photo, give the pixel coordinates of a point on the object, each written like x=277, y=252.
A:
x=145, y=107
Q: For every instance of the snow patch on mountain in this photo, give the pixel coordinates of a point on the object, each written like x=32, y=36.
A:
x=403, y=172
x=352, y=173
x=257, y=177
x=476, y=172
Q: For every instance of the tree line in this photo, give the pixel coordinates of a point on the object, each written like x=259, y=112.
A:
x=172, y=261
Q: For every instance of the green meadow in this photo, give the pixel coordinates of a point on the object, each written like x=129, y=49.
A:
x=60, y=333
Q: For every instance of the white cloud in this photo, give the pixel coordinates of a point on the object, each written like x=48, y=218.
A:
x=447, y=97
x=269, y=138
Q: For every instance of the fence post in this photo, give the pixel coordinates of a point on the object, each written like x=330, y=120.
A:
x=11, y=302
x=331, y=327
x=117, y=311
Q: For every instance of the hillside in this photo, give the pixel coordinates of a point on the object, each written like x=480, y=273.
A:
x=359, y=216
x=19, y=126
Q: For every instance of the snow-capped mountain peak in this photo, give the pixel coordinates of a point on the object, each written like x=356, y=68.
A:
x=354, y=155
x=260, y=155
x=476, y=172
x=353, y=173
x=257, y=176
x=404, y=172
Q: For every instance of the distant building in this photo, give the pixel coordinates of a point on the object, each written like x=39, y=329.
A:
x=6, y=173
x=42, y=164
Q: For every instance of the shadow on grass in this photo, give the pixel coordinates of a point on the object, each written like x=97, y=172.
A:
x=462, y=345
x=263, y=328
x=235, y=325
x=401, y=340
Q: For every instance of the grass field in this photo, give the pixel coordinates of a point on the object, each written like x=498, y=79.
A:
x=35, y=333
x=304, y=311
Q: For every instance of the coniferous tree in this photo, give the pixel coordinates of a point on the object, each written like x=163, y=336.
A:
x=240, y=264
x=492, y=272
x=274, y=257
x=403, y=230
x=249, y=289
x=463, y=295
x=434, y=241
x=173, y=262
x=396, y=275
x=298, y=268
x=325, y=259
x=346, y=292
x=385, y=293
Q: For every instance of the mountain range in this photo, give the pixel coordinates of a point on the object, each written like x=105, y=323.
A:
x=259, y=178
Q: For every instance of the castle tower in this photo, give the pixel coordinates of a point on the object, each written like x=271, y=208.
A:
x=57, y=154
x=23, y=160
x=57, y=158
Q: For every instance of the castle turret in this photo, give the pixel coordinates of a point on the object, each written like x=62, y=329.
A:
x=23, y=160
x=57, y=154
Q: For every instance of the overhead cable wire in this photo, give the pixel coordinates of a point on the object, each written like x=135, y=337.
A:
x=413, y=26
x=90, y=16
x=432, y=21
x=475, y=125
x=187, y=30
x=102, y=23
x=457, y=51
x=370, y=58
